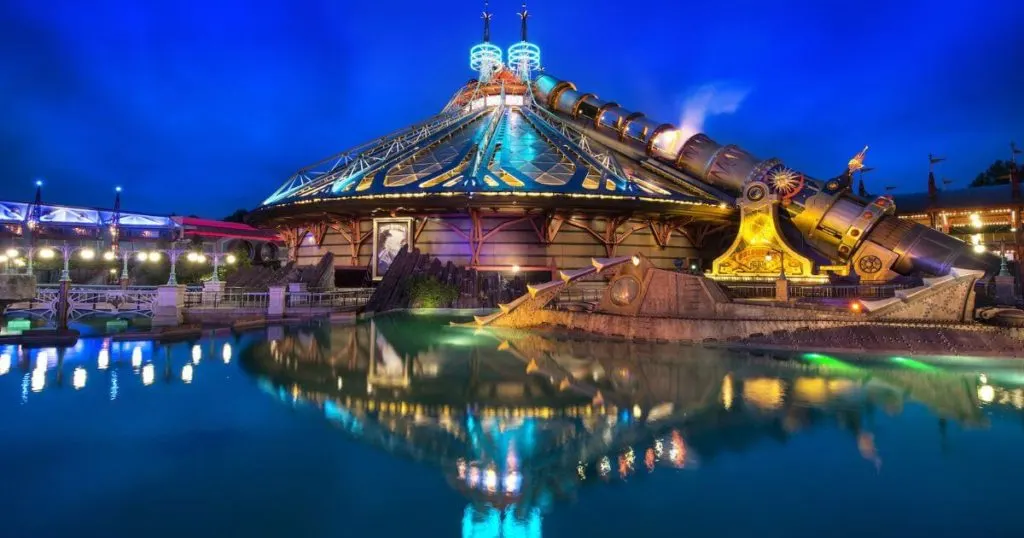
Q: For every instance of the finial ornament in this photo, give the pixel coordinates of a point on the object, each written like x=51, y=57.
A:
x=857, y=161
x=487, y=22
x=524, y=14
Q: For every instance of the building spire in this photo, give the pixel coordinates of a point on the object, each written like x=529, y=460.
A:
x=524, y=14
x=487, y=23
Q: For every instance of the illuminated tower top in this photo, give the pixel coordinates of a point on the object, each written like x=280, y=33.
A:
x=524, y=57
x=485, y=58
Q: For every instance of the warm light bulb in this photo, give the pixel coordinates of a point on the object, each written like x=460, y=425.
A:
x=515, y=268
x=154, y=256
x=3, y=258
x=88, y=254
x=979, y=249
x=109, y=255
x=142, y=256
x=231, y=258
x=200, y=258
x=636, y=260
x=19, y=262
x=192, y=256
x=11, y=253
x=47, y=253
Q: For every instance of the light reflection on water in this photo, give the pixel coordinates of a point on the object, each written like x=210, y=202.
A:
x=521, y=424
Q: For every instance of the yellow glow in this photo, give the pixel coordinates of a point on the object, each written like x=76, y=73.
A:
x=979, y=249
x=976, y=220
x=727, y=391
x=765, y=393
x=88, y=254
x=515, y=268
x=636, y=260
x=986, y=393
x=3, y=258
x=47, y=253
x=11, y=253
x=19, y=262
x=155, y=256
x=142, y=256
x=201, y=258
x=812, y=390
x=109, y=255
x=112, y=271
x=669, y=141
x=192, y=257
x=231, y=258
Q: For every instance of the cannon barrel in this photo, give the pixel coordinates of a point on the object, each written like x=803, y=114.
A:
x=831, y=219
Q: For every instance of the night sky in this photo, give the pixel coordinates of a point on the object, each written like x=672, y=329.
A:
x=205, y=107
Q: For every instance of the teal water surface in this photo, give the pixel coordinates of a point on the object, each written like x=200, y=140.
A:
x=405, y=426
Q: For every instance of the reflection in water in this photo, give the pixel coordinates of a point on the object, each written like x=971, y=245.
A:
x=517, y=420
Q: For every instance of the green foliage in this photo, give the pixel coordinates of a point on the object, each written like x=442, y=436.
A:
x=427, y=292
x=997, y=174
x=241, y=260
x=238, y=216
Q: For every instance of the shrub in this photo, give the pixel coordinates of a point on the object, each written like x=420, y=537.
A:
x=427, y=292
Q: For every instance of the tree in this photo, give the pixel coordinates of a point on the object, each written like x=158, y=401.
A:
x=997, y=174
x=238, y=216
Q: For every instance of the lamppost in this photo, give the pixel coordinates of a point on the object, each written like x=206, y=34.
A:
x=216, y=256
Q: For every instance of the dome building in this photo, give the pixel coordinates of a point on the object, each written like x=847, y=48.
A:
x=522, y=172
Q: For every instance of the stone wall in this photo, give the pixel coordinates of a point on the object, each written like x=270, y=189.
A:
x=17, y=287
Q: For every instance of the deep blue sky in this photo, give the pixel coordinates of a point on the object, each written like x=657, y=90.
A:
x=204, y=107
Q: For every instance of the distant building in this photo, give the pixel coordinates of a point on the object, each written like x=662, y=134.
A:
x=989, y=218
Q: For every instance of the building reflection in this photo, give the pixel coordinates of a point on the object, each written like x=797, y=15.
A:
x=517, y=421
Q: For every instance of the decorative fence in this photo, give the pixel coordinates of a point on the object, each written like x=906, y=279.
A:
x=84, y=301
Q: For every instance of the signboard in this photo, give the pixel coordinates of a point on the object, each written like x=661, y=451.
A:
x=389, y=236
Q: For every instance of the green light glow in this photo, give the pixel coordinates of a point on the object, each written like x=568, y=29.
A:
x=915, y=365
x=832, y=363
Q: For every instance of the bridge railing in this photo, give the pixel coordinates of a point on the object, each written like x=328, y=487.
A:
x=230, y=298
x=339, y=298
x=762, y=290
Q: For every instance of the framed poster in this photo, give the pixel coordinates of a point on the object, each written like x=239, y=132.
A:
x=389, y=236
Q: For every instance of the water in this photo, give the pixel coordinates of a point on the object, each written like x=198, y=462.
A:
x=406, y=427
